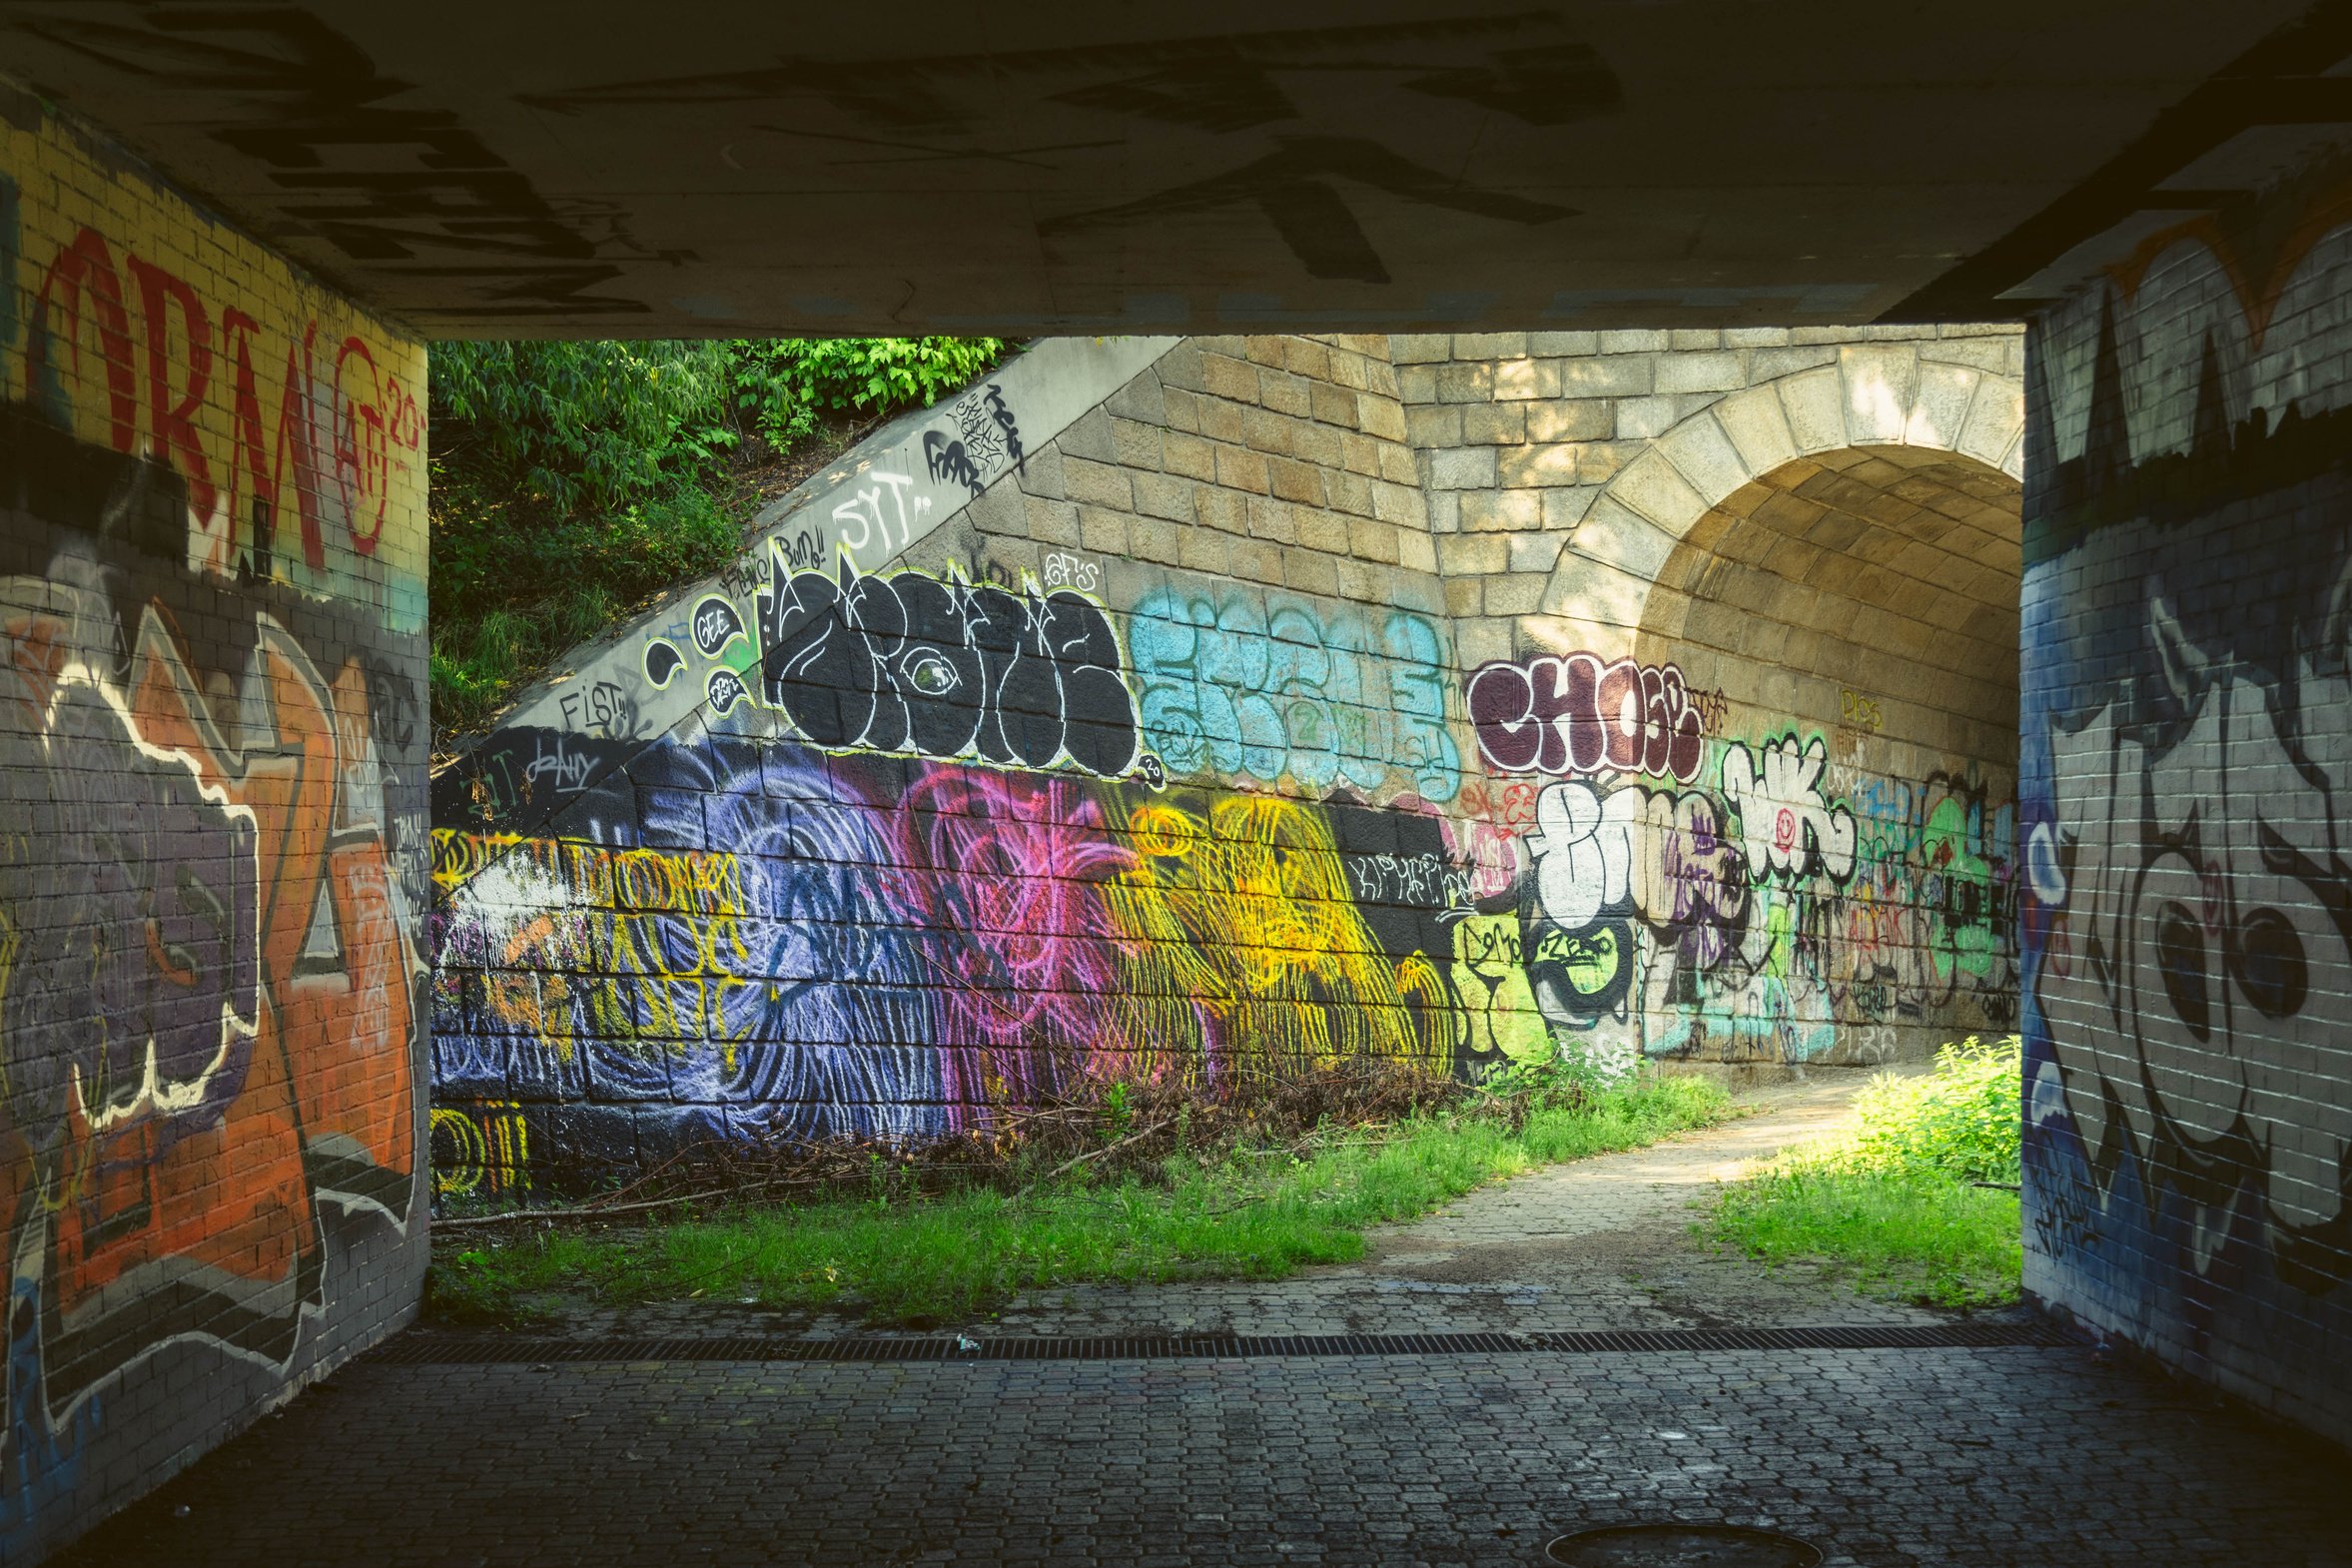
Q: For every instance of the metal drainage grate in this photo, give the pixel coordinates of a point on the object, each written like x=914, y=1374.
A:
x=1682, y=1546
x=434, y=1350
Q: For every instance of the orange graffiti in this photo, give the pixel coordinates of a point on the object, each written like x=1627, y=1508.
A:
x=192, y=1206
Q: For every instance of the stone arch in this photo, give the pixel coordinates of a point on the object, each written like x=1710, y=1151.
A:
x=1825, y=566
x=1861, y=593
x=1876, y=394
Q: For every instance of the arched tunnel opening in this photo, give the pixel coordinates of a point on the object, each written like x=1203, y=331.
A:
x=1847, y=623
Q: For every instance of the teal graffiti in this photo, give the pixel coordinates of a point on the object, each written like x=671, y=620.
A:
x=1245, y=687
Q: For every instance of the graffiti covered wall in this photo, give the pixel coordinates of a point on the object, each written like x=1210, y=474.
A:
x=213, y=827
x=1737, y=613
x=1166, y=757
x=2187, y=730
x=1011, y=815
x=924, y=471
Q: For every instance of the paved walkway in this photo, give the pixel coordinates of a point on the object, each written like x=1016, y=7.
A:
x=1950, y=1456
x=1600, y=1244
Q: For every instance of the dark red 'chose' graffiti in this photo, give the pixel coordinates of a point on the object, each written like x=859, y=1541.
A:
x=1574, y=714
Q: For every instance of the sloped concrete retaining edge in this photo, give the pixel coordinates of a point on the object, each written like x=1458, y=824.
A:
x=572, y=731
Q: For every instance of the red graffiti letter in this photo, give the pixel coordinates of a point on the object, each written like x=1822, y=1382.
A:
x=174, y=430
x=87, y=262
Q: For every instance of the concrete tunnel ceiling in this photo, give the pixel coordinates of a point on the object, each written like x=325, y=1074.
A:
x=620, y=169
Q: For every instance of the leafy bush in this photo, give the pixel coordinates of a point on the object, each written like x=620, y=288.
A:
x=577, y=425
x=574, y=479
x=1960, y=1121
x=787, y=386
x=511, y=594
x=1901, y=1201
x=1563, y=1082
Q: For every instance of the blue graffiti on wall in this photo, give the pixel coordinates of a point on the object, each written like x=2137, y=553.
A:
x=2185, y=801
x=1247, y=686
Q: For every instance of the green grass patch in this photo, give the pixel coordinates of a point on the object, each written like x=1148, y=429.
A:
x=1898, y=1203
x=1251, y=1214
x=1924, y=1238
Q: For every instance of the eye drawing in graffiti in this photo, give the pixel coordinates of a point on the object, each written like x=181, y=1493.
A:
x=2189, y=926
x=945, y=669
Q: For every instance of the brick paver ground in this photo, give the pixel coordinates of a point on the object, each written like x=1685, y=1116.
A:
x=1992, y=1457
x=2018, y=1456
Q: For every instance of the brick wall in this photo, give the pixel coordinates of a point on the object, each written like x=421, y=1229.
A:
x=2187, y=726
x=212, y=827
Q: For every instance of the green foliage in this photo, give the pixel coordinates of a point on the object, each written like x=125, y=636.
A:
x=1960, y=1121
x=512, y=592
x=1562, y=1081
x=581, y=424
x=1242, y=1215
x=1119, y=1114
x=1896, y=1202
x=786, y=386
x=572, y=481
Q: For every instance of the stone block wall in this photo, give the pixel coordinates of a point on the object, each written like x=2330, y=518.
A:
x=213, y=827
x=1187, y=734
x=1521, y=434
x=1135, y=764
x=1798, y=550
x=2186, y=761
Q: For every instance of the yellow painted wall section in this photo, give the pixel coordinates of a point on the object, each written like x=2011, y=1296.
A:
x=148, y=327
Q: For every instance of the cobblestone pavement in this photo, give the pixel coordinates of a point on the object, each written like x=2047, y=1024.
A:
x=1991, y=1457
x=2016, y=1456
